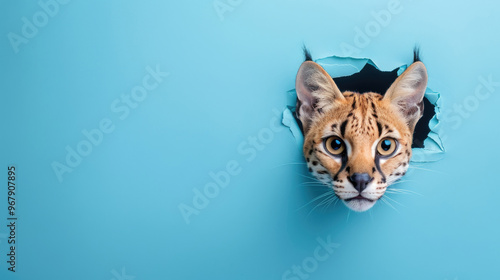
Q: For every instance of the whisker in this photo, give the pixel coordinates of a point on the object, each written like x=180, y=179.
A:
x=311, y=183
x=398, y=188
x=388, y=203
x=331, y=200
x=403, y=191
x=315, y=185
x=312, y=178
x=393, y=192
x=316, y=198
x=393, y=200
x=321, y=203
x=401, y=181
x=326, y=200
x=425, y=169
x=308, y=177
x=338, y=199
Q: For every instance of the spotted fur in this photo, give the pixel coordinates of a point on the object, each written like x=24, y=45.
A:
x=361, y=121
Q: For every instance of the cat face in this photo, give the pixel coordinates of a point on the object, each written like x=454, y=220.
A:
x=358, y=144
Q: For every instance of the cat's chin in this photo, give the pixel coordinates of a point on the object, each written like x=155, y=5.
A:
x=359, y=204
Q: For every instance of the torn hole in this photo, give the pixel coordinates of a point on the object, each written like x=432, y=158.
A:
x=362, y=75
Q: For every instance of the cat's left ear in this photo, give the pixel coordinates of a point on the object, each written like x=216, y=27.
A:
x=316, y=92
x=407, y=93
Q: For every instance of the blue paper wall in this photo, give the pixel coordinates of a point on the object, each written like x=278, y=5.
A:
x=148, y=144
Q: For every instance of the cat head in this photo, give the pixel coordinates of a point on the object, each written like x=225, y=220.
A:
x=358, y=143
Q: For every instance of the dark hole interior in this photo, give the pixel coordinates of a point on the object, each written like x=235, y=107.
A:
x=372, y=79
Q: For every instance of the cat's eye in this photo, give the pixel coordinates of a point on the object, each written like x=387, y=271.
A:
x=334, y=145
x=386, y=146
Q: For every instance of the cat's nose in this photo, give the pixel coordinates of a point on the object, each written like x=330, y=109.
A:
x=360, y=181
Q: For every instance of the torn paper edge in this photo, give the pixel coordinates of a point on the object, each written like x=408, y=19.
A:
x=345, y=66
x=289, y=121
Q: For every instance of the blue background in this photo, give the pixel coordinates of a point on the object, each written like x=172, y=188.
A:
x=116, y=215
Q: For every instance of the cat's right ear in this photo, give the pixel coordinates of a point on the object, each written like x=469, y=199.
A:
x=407, y=93
x=316, y=92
